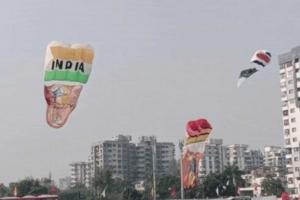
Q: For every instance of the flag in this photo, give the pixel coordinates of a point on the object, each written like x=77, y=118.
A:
x=217, y=191
x=15, y=191
x=103, y=192
x=173, y=192
x=227, y=183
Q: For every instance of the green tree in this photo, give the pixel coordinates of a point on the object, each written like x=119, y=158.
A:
x=103, y=181
x=271, y=186
x=211, y=183
x=165, y=185
x=4, y=191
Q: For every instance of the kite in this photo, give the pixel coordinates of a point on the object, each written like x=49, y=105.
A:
x=193, y=150
x=67, y=68
x=261, y=58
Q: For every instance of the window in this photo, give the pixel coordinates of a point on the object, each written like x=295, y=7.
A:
x=292, y=110
x=286, y=131
x=293, y=120
x=294, y=139
x=285, y=112
x=296, y=159
x=290, y=82
x=296, y=60
x=294, y=130
x=291, y=91
x=286, y=122
x=287, y=141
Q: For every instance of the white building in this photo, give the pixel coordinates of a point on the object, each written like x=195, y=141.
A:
x=290, y=98
x=164, y=158
x=214, y=157
x=133, y=162
x=118, y=155
x=274, y=159
x=239, y=155
x=80, y=173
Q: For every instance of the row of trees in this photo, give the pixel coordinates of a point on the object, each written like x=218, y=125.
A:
x=103, y=186
x=28, y=186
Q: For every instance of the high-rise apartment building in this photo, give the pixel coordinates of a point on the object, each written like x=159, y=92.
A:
x=256, y=159
x=118, y=155
x=164, y=157
x=133, y=162
x=214, y=157
x=239, y=155
x=290, y=98
x=274, y=159
x=80, y=173
x=244, y=158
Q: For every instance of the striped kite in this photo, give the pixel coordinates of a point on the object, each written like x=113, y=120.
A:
x=261, y=58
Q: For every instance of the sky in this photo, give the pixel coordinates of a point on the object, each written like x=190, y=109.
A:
x=158, y=64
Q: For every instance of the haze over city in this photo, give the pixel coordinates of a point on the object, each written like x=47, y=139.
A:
x=157, y=65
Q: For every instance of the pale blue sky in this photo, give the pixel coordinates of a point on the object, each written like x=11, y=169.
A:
x=157, y=65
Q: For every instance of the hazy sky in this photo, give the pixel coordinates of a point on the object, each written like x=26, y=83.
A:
x=158, y=64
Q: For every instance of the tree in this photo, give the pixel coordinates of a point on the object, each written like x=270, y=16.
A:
x=3, y=190
x=103, y=183
x=271, y=186
x=30, y=186
x=166, y=185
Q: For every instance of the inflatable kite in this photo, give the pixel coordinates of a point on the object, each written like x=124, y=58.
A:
x=261, y=58
x=193, y=150
x=67, y=69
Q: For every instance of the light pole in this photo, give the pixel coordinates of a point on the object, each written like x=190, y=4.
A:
x=181, y=170
x=154, y=167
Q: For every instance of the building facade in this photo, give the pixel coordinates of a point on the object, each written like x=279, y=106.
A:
x=117, y=155
x=133, y=162
x=80, y=173
x=164, y=157
x=274, y=160
x=290, y=98
x=256, y=159
x=214, y=158
x=239, y=155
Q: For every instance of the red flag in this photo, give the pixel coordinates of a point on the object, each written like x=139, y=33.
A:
x=173, y=192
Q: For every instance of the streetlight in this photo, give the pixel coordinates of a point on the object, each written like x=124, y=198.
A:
x=181, y=144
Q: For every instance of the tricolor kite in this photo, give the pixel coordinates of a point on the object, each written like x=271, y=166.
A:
x=260, y=58
x=67, y=69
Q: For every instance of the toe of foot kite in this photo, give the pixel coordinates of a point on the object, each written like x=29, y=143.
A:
x=261, y=58
x=67, y=69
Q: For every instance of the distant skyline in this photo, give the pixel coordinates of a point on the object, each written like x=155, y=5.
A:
x=157, y=65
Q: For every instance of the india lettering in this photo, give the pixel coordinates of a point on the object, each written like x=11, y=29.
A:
x=67, y=65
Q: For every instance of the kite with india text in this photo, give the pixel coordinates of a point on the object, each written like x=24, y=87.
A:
x=67, y=69
x=193, y=150
x=261, y=58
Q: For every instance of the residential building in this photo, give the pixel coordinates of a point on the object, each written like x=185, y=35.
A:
x=80, y=173
x=164, y=157
x=118, y=155
x=274, y=160
x=214, y=157
x=133, y=162
x=290, y=98
x=239, y=155
x=256, y=159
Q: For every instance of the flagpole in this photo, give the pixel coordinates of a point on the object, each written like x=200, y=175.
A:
x=154, y=168
x=181, y=170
